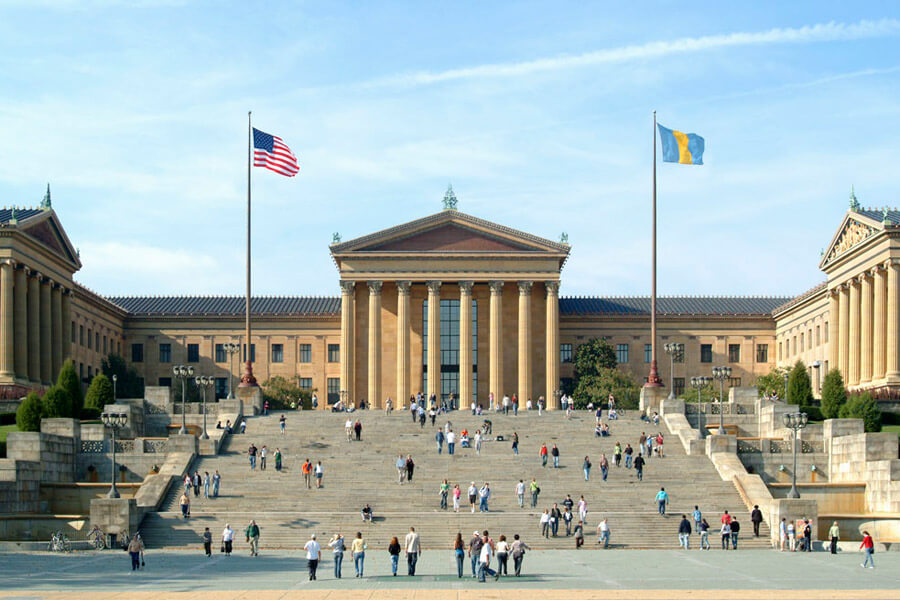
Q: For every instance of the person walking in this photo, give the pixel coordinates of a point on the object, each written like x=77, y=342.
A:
x=807, y=536
x=535, y=492
x=451, y=442
x=868, y=546
x=697, y=516
x=756, y=518
x=401, y=469
x=586, y=467
x=473, y=495
x=582, y=510
x=517, y=549
x=543, y=455
x=227, y=539
x=394, y=553
x=185, y=505
x=783, y=533
x=835, y=534
x=348, y=429
x=684, y=533
x=306, y=469
x=704, y=535
x=604, y=467
x=515, y=443
x=662, y=498
x=251, y=453
x=579, y=535
x=726, y=535
x=456, y=495
x=410, y=467
x=484, y=561
x=282, y=421
x=484, y=494
x=628, y=451
x=207, y=542
x=337, y=551
x=603, y=531
x=459, y=552
x=520, y=493
x=313, y=554
x=567, y=518
x=262, y=457
x=735, y=530
x=413, y=550
x=554, y=452
x=357, y=429
x=502, y=556
x=617, y=454
x=135, y=549
x=439, y=438
x=206, y=483
x=251, y=535
x=555, y=516
x=475, y=552
x=358, y=552
x=478, y=442
x=445, y=491
x=278, y=459
x=197, y=481
x=545, y=523
x=320, y=472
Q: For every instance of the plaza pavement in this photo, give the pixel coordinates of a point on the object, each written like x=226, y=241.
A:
x=549, y=574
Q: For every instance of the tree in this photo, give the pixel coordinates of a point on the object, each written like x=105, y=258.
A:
x=799, y=386
x=129, y=383
x=282, y=391
x=597, y=386
x=834, y=394
x=863, y=406
x=99, y=394
x=28, y=415
x=593, y=355
x=707, y=393
x=56, y=403
x=191, y=390
x=68, y=382
x=771, y=383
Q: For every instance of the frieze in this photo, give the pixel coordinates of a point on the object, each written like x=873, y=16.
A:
x=854, y=233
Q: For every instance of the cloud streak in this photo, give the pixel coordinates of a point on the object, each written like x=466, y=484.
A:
x=821, y=32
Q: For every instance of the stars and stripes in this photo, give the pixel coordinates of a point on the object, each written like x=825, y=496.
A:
x=271, y=152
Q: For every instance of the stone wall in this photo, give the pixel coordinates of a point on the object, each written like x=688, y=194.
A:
x=55, y=454
x=769, y=466
x=20, y=486
x=866, y=457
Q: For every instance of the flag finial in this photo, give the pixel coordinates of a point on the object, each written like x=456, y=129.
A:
x=45, y=203
x=449, y=198
x=854, y=203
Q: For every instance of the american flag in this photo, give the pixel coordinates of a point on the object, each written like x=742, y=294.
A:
x=271, y=152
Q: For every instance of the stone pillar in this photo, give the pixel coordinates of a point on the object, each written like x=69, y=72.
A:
x=833, y=329
x=552, y=350
x=865, y=325
x=67, y=326
x=347, y=290
x=7, y=345
x=844, y=332
x=465, y=343
x=853, y=335
x=495, y=383
x=878, y=318
x=34, y=327
x=374, y=371
x=56, y=331
x=893, y=312
x=525, y=339
x=434, y=339
x=20, y=325
x=402, y=398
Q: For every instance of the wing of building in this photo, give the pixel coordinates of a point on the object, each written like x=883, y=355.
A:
x=446, y=304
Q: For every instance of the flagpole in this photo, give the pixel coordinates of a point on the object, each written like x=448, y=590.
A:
x=653, y=377
x=247, y=379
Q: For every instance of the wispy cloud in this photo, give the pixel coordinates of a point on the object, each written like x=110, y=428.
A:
x=822, y=32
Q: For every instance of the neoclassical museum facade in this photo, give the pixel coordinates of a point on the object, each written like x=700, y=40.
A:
x=446, y=304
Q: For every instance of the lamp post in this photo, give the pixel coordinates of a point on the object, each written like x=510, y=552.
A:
x=232, y=349
x=817, y=365
x=115, y=421
x=182, y=372
x=674, y=350
x=720, y=374
x=699, y=383
x=204, y=382
x=115, y=378
x=795, y=422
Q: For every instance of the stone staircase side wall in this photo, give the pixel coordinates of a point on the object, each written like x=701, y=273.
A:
x=672, y=412
x=20, y=486
x=869, y=458
x=747, y=394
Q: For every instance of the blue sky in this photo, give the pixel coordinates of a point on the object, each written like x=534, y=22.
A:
x=538, y=113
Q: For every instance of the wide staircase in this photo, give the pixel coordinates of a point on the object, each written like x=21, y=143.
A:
x=363, y=472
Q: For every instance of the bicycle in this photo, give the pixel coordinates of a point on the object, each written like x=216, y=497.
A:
x=97, y=539
x=59, y=542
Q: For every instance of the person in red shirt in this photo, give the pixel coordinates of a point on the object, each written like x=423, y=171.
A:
x=543, y=455
x=726, y=518
x=869, y=546
x=306, y=468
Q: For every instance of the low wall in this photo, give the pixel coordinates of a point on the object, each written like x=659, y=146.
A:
x=831, y=498
x=41, y=527
x=20, y=485
x=69, y=498
x=769, y=466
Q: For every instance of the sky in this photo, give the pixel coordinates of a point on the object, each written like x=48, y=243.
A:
x=538, y=113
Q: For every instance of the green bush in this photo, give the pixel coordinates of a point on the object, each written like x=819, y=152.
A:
x=68, y=382
x=799, y=386
x=56, y=403
x=863, y=406
x=99, y=394
x=771, y=383
x=834, y=394
x=813, y=412
x=8, y=418
x=89, y=414
x=28, y=416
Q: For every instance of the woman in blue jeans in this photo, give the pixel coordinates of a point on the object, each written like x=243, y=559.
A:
x=394, y=551
x=460, y=552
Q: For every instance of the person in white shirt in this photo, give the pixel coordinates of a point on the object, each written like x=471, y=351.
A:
x=485, y=494
x=320, y=472
x=401, y=469
x=313, y=554
x=505, y=404
x=502, y=556
x=227, y=539
x=477, y=442
x=545, y=524
x=603, y=533
x=348, y=429
x=484, y=562
x=413, y=549
x=451, y=441
x=473, y=495
x=520, y=493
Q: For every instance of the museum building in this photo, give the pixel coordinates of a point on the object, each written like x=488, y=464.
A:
x=446, y=304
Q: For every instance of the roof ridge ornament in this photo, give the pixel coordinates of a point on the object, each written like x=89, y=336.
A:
x=335, y=238
x=13, y=220
x=449, y=198
x=564, y=238
x=45, y=203
x=854, y=203
x=884, y=216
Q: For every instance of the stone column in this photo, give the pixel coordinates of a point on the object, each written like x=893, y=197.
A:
x=56, y=331
x=853, y=335
x=34, y=327
x=844, y=331
x=46, y=332
x=20, y=325
x=374, y=371
x=402, y=398
x=465, y=343
x=67, y=326
x=893, y=312
x=495, y=385
x=347, y=290
x=552, y=350
x=525, y=339
x=878, y=318
x=434, y=339
x=865, y=325
x=7, y=345
x=833, y=328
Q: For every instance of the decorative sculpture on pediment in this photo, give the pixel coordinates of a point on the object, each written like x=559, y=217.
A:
x=854, y=233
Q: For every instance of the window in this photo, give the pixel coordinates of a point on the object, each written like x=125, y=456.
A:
x=165, y=353
x=221, y=387
x=306, y=383
x=165, y=382
x=193, y=353
x=567, y=385
x=90, y=376
x=826, y=332
x=306, y=353
x=565, y=353
x=734, y=382
x=73, y=332
x=622, y=353
x=648, y=352
x=762, y=353
x=780, y=351
x=678, y=385
x=81, y=371
x=104, y=344
x=734, y=353
x=252, y=353
x=334, y=353
x=220, y=353
x=818, y=335
x=137, y=353
x=706, y=353
x=81, y=335
x=334, y=390
x=449, y=373
x=277, y=353
x=802, y=345
x=97, y=341
x=679, y=357
x=89, y=338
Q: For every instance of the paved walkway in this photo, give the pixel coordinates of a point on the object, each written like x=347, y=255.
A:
x=565, y=573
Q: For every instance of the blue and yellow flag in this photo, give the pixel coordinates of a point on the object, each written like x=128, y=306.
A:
x=684, y=148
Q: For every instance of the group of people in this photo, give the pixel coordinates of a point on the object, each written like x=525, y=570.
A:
x=194, y=482
x=260, y=455
x=552, y=517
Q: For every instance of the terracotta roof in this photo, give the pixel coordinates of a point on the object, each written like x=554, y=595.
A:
x=305, y=306
x=677, y=305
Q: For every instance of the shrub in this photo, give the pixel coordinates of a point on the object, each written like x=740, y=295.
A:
x=834, y=394
x=56, y=403
x=99, y=394
x=799, y=386
x=28, y=416
x=813, y=412
x=863, y=406
x=68, y=382
x=8, y=418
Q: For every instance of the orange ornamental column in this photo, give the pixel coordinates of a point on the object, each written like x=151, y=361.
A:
x=844, y=332
x=374, y=371
x=21, y=322
x=347, y=290
x=434, y=339
x=878, y=318
x=67, y=326
x=552, y=352
x=46, y=333
x=865, y=325
x=893, y=323
x=833, y=328
x=525, y=339
x=34, y=327
x=7, y=347
x=56, y=331
x=465, y=343
x=403, y=288
x=495, y=375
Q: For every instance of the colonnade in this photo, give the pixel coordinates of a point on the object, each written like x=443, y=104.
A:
x=433, y=328
x=35, y=312
x=863, y=326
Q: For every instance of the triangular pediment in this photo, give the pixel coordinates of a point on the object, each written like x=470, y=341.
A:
x=855, y=230
x=46, y=229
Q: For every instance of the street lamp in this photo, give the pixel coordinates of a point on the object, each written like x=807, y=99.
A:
x=115, y=421
x=699, y=383
x=115, y=378
x=674, y=350
x=182, y=372
x=795, y=422
x=204, y=382
x=720, y=374
x=817, y=365
x=231, y=348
